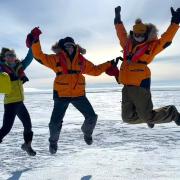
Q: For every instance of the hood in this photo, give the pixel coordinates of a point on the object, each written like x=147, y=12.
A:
x=56, y=49
x=152, y=31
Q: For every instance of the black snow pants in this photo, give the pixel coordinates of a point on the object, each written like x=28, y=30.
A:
x=10, y=112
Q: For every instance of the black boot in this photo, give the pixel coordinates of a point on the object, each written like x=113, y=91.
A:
x=150, y=125
x=178, y=121
x=88, y=139
x=28, y=149
x=53, y=148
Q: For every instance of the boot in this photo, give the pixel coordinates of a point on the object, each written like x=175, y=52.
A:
x=88, y=139
x=178, y=121
x=28, y=149
x=53, y=148
x=150, y=125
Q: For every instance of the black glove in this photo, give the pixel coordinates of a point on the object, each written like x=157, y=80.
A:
x=114, y=62
x=175, y=15
x=117, y=19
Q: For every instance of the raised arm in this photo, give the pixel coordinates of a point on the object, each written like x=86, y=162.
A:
x=45, y=59
x=120, y=29
x=167, y=37
x=28, y=59
x=33, y=42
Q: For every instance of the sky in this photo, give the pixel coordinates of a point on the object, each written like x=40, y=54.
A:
x=90, y=23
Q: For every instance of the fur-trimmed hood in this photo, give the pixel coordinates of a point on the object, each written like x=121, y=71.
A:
x=56, y=49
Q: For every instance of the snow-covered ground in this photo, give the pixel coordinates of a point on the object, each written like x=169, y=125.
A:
x=120, y=151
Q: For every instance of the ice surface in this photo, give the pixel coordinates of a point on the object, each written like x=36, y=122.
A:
x=120, y=151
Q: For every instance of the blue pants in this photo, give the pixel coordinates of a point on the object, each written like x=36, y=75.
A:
x=60, y=107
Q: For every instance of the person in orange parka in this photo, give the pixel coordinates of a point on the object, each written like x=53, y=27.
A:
x=69, y=65
x=140, y=47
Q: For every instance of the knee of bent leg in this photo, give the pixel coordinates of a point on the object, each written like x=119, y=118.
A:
x=128, y=117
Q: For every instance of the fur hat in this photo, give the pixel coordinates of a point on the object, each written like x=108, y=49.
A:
x=66, y=40
x=59, y=46
x=139, y=27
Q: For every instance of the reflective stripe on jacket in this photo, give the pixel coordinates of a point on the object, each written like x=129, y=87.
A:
x=72, y=83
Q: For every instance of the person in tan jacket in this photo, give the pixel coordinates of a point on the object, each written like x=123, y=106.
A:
x=140, y=47
x=69, y=65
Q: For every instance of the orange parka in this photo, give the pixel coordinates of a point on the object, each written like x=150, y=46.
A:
x=72, y=82
x=134, y=73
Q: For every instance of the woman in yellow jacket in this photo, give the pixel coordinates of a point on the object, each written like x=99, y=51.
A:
x=140, y=47
x=69, y=65
x=13, y=101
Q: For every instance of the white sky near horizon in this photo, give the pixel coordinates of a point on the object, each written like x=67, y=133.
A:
x=90, y=23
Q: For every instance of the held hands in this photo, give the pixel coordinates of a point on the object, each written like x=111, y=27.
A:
x=115, y=62
x=175, y=15
x=33, y=36
x=113, y=70
x=117, y=19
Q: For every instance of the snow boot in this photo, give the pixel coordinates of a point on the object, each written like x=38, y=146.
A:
x=28, y=149
x=88, y=139
x=150, y=125
x=177, y=122
x=53, y=148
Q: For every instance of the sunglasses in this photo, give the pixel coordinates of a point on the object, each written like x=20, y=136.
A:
x=139, y=35
x=10, y=55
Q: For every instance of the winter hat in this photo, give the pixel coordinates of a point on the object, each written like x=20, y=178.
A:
x=139, y=27
x=65, y=41
x=3, y=52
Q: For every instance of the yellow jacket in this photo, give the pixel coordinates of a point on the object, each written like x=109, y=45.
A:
x=16, y=94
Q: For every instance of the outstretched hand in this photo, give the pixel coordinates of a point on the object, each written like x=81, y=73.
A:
x=175, y=15
x=117, y=10
x=113, y=70
x=36, y=33
x=115, y=62
x=33, y=36
x=117, y=19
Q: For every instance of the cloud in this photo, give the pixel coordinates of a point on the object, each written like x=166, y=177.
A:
x=90, y=23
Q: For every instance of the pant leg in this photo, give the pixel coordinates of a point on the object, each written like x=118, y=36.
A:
x=144, y=107
x=24, y=116
x=165, y=115
x=84, y=106
x=129, y=114
x=142, y=100
x=55, y=125
x=10, y=111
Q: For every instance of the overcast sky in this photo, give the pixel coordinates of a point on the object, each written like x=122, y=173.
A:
x=90, y=23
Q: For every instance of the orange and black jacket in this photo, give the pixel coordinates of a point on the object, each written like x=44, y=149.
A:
x=69, y=81
x=137, y=73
